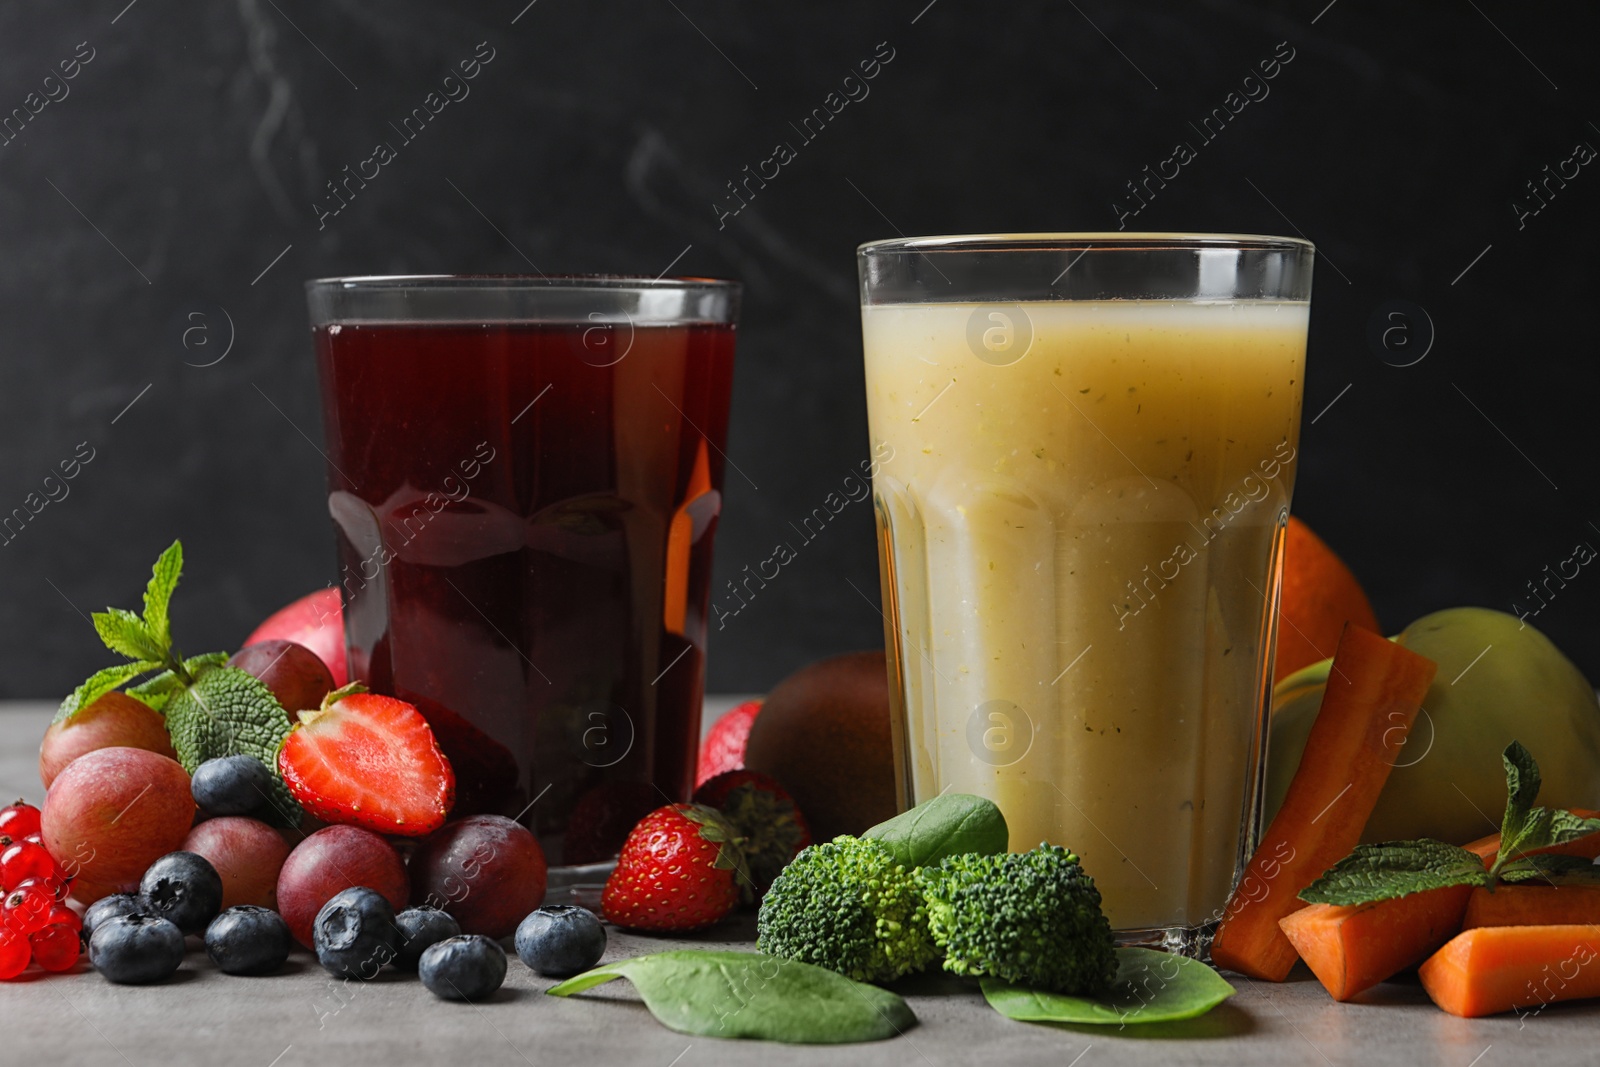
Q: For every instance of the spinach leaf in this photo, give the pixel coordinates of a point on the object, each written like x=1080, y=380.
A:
x=1150, y=987
x=753, y=995
x=949, y=825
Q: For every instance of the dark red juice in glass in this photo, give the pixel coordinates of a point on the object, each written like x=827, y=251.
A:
x=525, y=514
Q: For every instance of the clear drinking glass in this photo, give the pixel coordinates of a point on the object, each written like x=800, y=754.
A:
x=1087, y=446
x=525, y=475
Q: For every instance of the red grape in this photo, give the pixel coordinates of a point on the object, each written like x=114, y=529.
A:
x=295, y=674
x=115, y=811
x=331, y=860
x=487, y=871
x=246, y=852
x=115, y=720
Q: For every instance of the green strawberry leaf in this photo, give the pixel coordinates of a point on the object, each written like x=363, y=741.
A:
x=126, y=634
x=1150, y=987
x=158, y=594
x=228, y=712
x=1395, y=869
x=99, y=684
x=753, y=995
x=161, y=688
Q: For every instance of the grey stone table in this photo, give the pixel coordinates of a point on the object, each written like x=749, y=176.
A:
x=303, y=1017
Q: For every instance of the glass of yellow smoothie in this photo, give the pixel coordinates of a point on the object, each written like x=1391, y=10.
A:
x=1087, y=447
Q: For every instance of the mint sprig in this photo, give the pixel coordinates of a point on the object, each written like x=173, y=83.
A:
x=1399, y=868
x=211, y=709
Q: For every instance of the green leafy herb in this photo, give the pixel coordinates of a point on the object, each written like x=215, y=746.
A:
x=950, y=825
x=1400, y=868
x=1150, y=987
x=753, y=995
x=161, y=688
x=227, y=712
x=211, y=710
x=1396, y=869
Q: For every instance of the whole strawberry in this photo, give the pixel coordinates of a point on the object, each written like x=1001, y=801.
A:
x=680, y=869
x=764, y=814
x=723, y=748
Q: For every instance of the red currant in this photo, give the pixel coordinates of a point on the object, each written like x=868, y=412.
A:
x=19, y=820
x=55, y=886
x=14, y=953
x=64, y=916
x=55, y=947
x=27, y=908
x=25, y=860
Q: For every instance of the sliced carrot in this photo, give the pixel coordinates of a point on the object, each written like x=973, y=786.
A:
x=1353, y=948
x=1532, y=905
x=1502, y=968
x=1375, y=687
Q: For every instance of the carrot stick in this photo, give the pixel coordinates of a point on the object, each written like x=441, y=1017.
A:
x=1351, y=948
x=1375, y=687
x=1501, y=968
x=1532, y=905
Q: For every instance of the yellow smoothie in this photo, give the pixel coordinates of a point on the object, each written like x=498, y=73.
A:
x=1080, y=547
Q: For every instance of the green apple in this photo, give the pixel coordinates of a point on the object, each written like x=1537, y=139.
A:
x=1499, y=681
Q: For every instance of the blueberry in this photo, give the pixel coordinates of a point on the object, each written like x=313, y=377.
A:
x=183, y=888
x=134, y=949
x=560, y=939
x=469, y=967
x=231, y=785
x=108, y=908
x=420, y=927
x=246, y=939
x=355, y=933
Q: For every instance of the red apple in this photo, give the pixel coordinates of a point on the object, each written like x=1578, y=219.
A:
x=315, y=621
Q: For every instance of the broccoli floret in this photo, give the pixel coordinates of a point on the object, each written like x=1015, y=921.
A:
x=847, y=905
x=1032, y=918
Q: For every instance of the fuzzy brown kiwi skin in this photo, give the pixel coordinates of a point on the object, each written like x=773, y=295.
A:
x=824, y=734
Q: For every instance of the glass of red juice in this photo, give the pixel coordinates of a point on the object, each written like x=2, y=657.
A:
x=525, y=476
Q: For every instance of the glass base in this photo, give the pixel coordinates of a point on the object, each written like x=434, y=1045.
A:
x=1191, y=941
x=578, y=885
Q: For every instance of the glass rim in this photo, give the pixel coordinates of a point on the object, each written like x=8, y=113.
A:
x=1114, y=240
x=511, y=282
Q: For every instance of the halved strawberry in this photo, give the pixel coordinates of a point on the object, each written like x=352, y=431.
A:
x=370, y=761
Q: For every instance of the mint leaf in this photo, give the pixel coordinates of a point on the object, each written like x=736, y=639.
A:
x=161, y=688
x=1150, y=987
x=1565, y=826
x=1395, y=869
x=228, y=712
x=1556, y=869
x=1518, y=832
x=753, y=995
x=125, y=633
x=947, y=825
x=99, y=684
x=158, y=594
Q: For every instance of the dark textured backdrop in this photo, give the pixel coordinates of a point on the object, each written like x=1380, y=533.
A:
x=164, y=200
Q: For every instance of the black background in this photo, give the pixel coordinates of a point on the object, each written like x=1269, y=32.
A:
x=193, y=145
